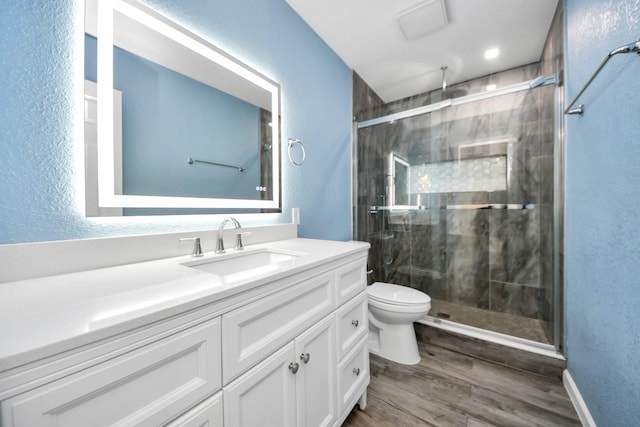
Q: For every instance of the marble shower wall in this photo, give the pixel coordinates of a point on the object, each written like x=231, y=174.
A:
x=490, y=259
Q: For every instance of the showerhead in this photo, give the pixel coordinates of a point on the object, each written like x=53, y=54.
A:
x=447, y=93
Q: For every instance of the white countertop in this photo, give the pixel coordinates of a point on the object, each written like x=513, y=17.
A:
x=45, y=316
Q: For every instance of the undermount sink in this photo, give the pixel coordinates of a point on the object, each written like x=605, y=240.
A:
x=241, y=265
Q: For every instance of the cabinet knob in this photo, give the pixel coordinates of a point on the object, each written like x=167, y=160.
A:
x=305, y=357
x=293, y=367
x=356, y=371
x=355, y=323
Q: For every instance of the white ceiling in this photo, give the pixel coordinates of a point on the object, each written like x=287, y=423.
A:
x=368, y=38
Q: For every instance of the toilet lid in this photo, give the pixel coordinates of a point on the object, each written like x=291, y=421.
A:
x=396, y=294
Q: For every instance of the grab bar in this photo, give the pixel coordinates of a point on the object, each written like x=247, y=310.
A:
x=632, y=47
x=192, y=161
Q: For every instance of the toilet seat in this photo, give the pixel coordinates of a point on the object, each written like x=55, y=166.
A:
x=390, y=294
x=400, y=308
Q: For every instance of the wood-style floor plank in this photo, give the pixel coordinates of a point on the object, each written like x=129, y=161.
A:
x=448, y=388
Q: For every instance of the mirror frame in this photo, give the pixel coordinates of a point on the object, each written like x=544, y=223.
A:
x=107, y=195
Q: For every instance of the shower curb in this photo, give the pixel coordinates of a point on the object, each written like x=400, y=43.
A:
x=534, y=363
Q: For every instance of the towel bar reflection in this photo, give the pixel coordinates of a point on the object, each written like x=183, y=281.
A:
x=192, y=161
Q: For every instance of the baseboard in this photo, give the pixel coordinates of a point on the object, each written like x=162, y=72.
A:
x=576, y=399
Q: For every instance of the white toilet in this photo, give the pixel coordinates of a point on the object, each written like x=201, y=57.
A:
x=392, y=311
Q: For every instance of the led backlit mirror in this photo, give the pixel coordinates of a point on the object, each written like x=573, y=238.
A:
x=173, y=124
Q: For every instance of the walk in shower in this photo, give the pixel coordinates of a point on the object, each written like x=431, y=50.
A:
x=456, y=191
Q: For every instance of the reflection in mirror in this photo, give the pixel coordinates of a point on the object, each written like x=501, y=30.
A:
x=400, y=184
x=194, y=128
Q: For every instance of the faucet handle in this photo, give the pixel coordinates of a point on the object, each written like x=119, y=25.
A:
x=197, y=249
x=239, y=246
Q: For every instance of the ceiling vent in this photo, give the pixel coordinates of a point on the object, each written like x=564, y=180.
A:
x=422, y=19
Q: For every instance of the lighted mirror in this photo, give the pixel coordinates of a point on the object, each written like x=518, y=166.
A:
x=172, y=123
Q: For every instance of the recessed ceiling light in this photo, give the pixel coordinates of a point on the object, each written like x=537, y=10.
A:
x=491, y=87
x=491, y=53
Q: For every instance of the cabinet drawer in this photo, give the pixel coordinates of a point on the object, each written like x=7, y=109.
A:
x=207, y=413
x=352, y=323
x=148, y=386
x=252, y=332
x=353, y=375
x=351, y=279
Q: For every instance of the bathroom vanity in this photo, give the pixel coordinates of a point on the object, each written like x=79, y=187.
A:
x=274, y=335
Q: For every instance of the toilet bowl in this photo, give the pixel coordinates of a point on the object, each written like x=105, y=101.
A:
x=392, y=311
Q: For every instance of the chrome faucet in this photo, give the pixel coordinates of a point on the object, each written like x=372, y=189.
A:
x=220, y=240
x=197, y=249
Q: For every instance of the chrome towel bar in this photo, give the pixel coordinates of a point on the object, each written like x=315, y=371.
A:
x=631, y=47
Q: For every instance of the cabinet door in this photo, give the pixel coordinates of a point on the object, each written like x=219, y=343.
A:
x=205, y=414
x=148, y=386
x=316, y=386
x=264, y=395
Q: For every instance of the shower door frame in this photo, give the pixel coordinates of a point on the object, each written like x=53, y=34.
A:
x=558, y=209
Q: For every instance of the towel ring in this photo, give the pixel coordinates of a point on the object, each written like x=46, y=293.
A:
x=293, y=142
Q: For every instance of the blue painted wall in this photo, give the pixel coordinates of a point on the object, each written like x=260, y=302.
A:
x=602, y=201
x=41, y=62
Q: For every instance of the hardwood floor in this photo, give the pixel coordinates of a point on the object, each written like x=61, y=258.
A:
x=448, y=388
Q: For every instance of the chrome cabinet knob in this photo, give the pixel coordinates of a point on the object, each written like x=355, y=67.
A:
x=305, y=357
x=293, y=367
x=355, y=323
x=356, y=371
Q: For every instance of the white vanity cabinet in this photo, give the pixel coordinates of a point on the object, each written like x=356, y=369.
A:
x=289, y=351
x=317, y=377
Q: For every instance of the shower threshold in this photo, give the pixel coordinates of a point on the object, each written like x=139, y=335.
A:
x=501, y=328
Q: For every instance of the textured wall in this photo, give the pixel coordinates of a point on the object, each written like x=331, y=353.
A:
x=41, y=65
x=602, y=233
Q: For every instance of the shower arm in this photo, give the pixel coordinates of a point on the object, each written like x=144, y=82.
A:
x=632, y=47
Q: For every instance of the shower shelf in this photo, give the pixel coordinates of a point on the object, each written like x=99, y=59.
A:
x=496, y=206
